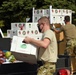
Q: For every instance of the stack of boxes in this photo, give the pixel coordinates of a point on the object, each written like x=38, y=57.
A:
x=22, y=51
x=55, y=15
x=23, y=29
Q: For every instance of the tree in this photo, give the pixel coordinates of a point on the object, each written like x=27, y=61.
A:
x=19, y=10
x=59, y=4
x=1, y=23
x=15, y=11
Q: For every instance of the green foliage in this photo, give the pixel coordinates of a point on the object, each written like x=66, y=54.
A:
x=1, y=23
x=19, y=10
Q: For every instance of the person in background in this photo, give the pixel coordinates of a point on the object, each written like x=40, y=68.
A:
x=47, y=47
x=70, y=35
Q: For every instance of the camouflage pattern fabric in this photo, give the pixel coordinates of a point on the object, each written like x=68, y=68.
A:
x=70, y=46
x=46, y=69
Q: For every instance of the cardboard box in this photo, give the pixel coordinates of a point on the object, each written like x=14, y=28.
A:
x=22, y=51
x=11, y=33
x=18, y=26
x=60, y=36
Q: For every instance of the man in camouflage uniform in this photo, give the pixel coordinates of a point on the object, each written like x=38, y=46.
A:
x=70, y=35
x=47, y=69
x=47, y=47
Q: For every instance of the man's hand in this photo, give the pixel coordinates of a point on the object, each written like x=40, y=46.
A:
x=27, y=40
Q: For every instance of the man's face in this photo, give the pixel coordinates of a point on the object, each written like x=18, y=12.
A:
x=39, y=27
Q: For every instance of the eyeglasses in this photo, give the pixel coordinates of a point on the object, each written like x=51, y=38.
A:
x=38, y=25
